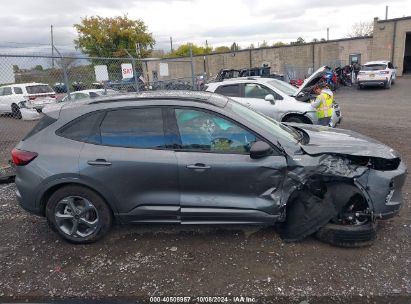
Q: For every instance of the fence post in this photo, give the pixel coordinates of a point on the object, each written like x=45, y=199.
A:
x=192, y=69
x=63, y=65
x=133, y=64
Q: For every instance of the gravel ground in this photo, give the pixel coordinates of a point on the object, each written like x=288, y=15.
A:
x=135, y=262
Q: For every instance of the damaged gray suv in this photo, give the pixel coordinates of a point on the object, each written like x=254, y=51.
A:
x=201, y=158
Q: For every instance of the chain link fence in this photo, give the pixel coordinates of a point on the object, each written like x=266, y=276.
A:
x=28, y=83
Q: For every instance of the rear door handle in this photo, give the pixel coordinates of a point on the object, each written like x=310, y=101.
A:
x=99, y=162
x=198, y=166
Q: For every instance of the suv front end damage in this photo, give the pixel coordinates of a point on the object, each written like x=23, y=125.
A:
x=344, y=190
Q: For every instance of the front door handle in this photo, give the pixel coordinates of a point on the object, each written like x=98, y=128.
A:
x=99, y=162
x=198, y=166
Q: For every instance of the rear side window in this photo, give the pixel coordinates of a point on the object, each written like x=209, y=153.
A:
x=232, y=90
x=43, y=123
x=7, y=91
x=134, y=128
x=84, y=128
x=39, y=89
x=17, y=90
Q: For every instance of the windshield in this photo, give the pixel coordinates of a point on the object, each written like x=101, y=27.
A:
x=283, y=87
x=264, y=122
x=374, y=67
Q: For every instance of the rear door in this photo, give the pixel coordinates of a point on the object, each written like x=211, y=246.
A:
x=219, y=182
x=128, y=156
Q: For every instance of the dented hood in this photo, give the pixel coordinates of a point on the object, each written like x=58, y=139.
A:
x=341, y=141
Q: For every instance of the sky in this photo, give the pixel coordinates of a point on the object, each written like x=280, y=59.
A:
x=26, y=26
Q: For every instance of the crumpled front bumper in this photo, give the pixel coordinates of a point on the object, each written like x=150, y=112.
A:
x=384, y=190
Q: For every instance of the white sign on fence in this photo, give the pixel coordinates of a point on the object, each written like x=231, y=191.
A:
x=7, y=74
x=101, y=72
x=163, y=69
x=127, y=70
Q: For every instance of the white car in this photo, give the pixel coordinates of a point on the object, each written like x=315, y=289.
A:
x=30, y=97
x=89, y=94
x=275, y=98
x=377, y=73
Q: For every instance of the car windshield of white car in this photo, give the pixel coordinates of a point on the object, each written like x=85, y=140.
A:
x=283, y=87
x=264, y=122
x=374, y=67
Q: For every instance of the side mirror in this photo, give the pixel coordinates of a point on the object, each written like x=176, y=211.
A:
x=270, y=98
x=260, y=149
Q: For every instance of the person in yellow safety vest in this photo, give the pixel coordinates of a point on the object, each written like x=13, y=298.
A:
x=324, y=104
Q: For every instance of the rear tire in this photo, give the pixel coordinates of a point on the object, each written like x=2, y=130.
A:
x=388, y=84
x=94, y=220
x=15, y=111
x=348, y=235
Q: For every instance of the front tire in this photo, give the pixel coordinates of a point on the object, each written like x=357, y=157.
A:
x=15, y=111
x=348, y=235
x=78, y=214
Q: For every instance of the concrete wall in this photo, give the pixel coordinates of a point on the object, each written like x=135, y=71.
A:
x=388, y=35
x=389, y=40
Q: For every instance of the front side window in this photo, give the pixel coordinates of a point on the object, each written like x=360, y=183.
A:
x=232, y=90
x=255, y=90
x=134, y=128
x=208, y=132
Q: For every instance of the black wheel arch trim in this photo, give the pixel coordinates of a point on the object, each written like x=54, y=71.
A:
x=57, y=183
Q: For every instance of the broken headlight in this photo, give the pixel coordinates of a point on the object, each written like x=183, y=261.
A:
x=376, y=163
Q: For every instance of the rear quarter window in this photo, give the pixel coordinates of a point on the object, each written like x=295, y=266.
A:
x=84, y=129
x=43, y=123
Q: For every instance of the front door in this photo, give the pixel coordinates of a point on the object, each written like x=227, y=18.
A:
x=132, y=162
x=219, y=182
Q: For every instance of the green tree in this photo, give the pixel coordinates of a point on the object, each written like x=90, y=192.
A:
x=38, y=67
x=184, y=50
x=251, y=46
x=314, y=40
x=222, y=49
x=108, y=37
x=16, y=68
x=279, y=43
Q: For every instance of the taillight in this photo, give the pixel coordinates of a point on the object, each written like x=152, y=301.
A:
x=21, y=157
x=32, y=97
x=384, y=72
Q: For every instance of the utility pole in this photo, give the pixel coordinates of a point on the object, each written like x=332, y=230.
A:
x=171, y=43
x=52, y=46
x=138, y=50
x=386, y=12
x=328, y=33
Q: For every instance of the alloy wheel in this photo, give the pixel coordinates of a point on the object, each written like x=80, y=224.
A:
x=76, y=216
